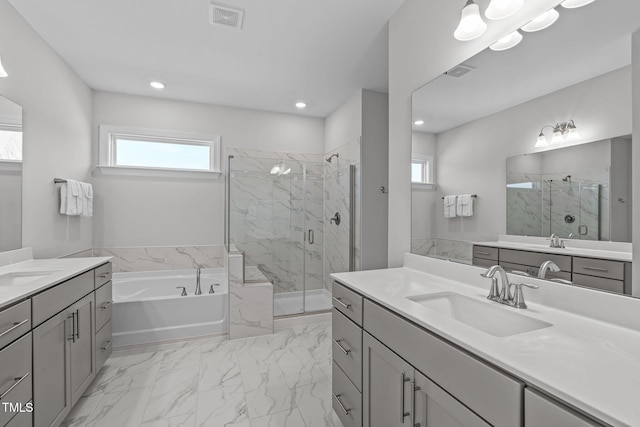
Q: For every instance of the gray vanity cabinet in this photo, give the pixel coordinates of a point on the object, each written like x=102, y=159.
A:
x=541, y=411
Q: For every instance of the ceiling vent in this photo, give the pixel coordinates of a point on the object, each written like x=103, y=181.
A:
x=225, y=16
x=459, y=71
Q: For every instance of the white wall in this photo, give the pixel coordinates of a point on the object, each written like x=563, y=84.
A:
x=472, y=157
x=57, y=134
x=423, y=199
x=136, y=211
x=344, y=124
x=422, y=47
x=621, y=188
x=635, y=170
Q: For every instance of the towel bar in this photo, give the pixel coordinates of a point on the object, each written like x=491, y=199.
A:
x=473, y=195
x=59, y=180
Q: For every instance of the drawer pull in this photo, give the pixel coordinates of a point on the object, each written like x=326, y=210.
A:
x=337, y=398
x=339, y=301
x=403, y=379
x=103, y=275
x=344, y=350
x=415, y=389
x=15, y=326
x=483, y=253
x=106, y=305
x=15, y=384
x=73, y=326
x=602, y=270
x=107, y=345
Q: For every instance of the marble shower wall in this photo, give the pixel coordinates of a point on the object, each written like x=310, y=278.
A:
x=337, y=188
x=271, y=214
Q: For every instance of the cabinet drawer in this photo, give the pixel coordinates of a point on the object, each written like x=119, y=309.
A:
x=104, y=304
x=104, y=345
x=599, y=267
x=346, y=399
x=102, y=274
x=347, y=347
x=540, y=411
x=56, y=299
x=485, y=252
x=599, y=283
x=22, y=419
x=494, y=396
x=14, y=321
x=534, y=259
x=15, y=376
x=481, y=262
x=347, y=302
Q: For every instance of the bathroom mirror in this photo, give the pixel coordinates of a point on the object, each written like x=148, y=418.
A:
x=10, y=175
x=493, y=106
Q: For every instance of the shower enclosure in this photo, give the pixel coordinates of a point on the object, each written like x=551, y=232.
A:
x=276, y=216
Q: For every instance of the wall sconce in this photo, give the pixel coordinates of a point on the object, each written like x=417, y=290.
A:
x=3, y=73
x=562, y=132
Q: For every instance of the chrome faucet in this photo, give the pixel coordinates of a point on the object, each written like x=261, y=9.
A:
x=198, y=290
x=555, y=241
x=547, y=265
x=504, y=296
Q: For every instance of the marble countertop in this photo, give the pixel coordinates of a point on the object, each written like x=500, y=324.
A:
x=584, y=252
x=589, y=361
x=58, y=269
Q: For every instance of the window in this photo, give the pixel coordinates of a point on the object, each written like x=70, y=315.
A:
x=422, y=170
x=158, y=153
x=10, y=140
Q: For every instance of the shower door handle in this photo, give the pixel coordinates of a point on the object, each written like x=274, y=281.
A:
x=311, y=238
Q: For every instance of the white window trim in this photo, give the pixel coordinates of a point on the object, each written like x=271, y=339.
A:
x=431, y=184
x=106, y=153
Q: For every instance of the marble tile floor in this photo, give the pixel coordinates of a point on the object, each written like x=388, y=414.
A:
x=278, y=380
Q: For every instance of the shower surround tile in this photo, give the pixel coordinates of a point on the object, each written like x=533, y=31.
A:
x=157, y=258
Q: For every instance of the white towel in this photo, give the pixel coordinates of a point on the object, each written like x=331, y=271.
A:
x=70, y=202
x=464, y=206
x=87, y=199
x=450, y=206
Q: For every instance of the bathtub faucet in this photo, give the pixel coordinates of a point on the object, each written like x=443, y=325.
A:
x=198, y=290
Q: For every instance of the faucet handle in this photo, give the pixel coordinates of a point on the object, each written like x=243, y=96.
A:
x=518, y=298
x=184, y=290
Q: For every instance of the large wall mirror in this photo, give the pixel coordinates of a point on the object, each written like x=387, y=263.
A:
x=476, y=128
x=10, y=175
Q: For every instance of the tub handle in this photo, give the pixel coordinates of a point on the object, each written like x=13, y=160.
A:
x=107, y=345
x=184, y=290
x=106, y=305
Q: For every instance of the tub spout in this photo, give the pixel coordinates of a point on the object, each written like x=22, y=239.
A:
x=198, y=290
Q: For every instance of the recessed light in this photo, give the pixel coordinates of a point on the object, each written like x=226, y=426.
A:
x=157, y=85
x=301, y=104
x=418, y=122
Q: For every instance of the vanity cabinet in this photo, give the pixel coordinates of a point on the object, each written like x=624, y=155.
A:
x=541, y=411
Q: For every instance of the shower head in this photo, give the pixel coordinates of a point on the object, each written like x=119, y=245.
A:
x=567, y=178
x=336, y=155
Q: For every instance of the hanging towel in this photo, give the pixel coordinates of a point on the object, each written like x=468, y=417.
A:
x=464, y=206
x=70, y=199
x=87, y=199
x=450, y=206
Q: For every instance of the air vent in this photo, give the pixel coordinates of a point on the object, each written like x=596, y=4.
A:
x=459, y=71
x=225, y=16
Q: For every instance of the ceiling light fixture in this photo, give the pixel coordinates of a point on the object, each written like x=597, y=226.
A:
x=507, y=42
x=301, y=104
x=3, y=73
x=562, y=132
x=157, y=85
x=500, y=9
x=471, y=25
x=418, y=122
x=572, y=4
x=541, y=22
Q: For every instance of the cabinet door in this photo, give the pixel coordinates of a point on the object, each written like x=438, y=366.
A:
x=540, y=411
x=82, y=346
x=386, y=390
x=51, y=388
x=434, y=407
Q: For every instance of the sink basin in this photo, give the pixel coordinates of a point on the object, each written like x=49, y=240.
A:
x=19, y=278
x=488, y=317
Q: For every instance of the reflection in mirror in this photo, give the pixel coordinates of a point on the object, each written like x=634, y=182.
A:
x=10, y=175
x=493, y=106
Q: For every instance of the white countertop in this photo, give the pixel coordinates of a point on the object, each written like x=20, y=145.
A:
x=61, y=269
x=589, y=358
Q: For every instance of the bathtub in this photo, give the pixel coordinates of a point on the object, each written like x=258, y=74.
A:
x=147, y=307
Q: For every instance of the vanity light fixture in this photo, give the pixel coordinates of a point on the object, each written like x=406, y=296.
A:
x=3, y=73
x=471, y=25
x=541, y=22
x=279, y=169
x=572, y=4
x=157, y=85
x=500, y=9
x=562, y=132
x=507, y=42
x=418, y=122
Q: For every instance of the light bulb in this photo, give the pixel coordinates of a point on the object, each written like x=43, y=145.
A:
x=557, y=137
x=541, y=22
x=500, y=9
x=542, y=141
x=572, y=4
x=3, y=73
x=471, y=24
x=507, y=42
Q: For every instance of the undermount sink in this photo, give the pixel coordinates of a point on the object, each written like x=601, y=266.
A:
x=488, y=317
x=19, y=278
